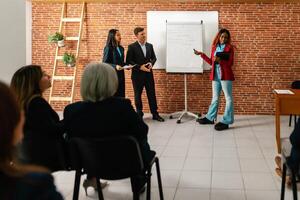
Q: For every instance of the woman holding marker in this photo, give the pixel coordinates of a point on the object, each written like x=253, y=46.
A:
x=221, y=60
x=113, y=54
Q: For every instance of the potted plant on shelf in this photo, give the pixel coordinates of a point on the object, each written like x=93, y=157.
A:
x=57, y=38
x=69, y=59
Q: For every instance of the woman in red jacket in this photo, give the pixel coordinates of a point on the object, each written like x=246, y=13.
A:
x=222, y=76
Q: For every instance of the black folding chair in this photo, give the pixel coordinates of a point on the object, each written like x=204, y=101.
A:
x=295, y=85
x=294, y=174
x=111, y=159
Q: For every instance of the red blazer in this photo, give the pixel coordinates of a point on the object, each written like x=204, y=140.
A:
x=226, y=71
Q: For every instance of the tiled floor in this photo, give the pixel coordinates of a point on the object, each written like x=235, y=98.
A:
x=199, y=163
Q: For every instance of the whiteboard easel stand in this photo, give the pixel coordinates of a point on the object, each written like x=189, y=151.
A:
x=185, y=111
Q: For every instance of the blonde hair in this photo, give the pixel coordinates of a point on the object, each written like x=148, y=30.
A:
x=99, y=81
x=25, y=83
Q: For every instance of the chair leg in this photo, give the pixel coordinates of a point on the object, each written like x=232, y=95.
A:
x=76, y=185
x=160, y=188
x=283, y=181
x=136, y=195
x=148, y=184
x=294, y=185
x=100, y=194
x=290, y=121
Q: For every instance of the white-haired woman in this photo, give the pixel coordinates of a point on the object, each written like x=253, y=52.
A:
x=99, y=112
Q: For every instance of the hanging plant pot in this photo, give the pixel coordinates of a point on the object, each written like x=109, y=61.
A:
x=69, y=59
x=61, y=43
x=71, y=65
x=57, y=38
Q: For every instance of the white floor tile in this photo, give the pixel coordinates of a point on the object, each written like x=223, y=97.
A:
x=225, y=152
x=195, y=163
x=192, y=194
x=170, y=178
x=179, y=142
x=175, y=163
x=195, y=151
x=227, y=180
x=201, y=142
x=227, y=195
x=169, y=194
x=175, y=151
x=254, y=165
x=219, y=142
x=226, y=165
x=267, y=143
x=259, y=181
x=246, y=142
x=249, y=152
x=195, y=179
x=262, y=195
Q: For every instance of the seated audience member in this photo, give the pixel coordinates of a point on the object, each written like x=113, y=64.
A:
x=43, y=131
x=101, y=114
x=19, y=182
x=291, y=149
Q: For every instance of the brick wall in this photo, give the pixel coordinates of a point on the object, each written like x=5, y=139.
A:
x=266, y=36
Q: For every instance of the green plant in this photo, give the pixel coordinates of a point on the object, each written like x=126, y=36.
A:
x=69, y=59
x=55, y=38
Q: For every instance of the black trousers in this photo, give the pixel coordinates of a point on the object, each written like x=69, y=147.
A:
x=139, y=82
x=121, y=87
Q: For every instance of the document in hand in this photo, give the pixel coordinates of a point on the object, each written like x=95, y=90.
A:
x=128, y=66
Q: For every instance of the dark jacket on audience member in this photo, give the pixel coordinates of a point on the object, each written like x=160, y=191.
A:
x=111, y=117
x=43, y=135
x=112, y=56
x=33, y=186
x=294, y=159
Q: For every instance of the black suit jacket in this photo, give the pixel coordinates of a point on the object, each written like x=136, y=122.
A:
x=43, y=135
x=135, y=56
x=111, y=117
x=42, y=122
x=112, y=56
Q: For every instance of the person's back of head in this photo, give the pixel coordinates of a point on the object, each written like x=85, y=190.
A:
x=99, y=81
x=10, y=117
x=11, y=172
x=26, y=83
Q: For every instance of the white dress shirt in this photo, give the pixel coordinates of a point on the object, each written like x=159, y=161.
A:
x=143, y=46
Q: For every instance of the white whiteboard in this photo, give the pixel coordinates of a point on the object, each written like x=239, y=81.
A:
x=156, y=30
x=182, y=38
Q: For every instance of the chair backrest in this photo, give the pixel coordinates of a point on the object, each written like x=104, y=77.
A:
x=296, y=84
x=108, y=158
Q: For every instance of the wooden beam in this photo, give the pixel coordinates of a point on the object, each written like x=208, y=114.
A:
x=164, y=1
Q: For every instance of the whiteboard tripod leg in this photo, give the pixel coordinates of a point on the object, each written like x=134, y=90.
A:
x=185, y=111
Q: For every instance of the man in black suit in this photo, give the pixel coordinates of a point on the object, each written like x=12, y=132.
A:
x=141, y=54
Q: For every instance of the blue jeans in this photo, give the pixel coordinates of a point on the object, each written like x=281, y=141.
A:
x=217, y=86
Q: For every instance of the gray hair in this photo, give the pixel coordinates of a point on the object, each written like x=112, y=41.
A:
x=99, y=81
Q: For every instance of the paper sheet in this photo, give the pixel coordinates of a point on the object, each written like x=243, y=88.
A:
x=128, y=66
x=283, y=91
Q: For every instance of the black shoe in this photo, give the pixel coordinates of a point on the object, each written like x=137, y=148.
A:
x=221, y=126
x=204, y=121
x=158, y=118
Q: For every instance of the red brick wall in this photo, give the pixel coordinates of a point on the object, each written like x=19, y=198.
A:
x=267, y=56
